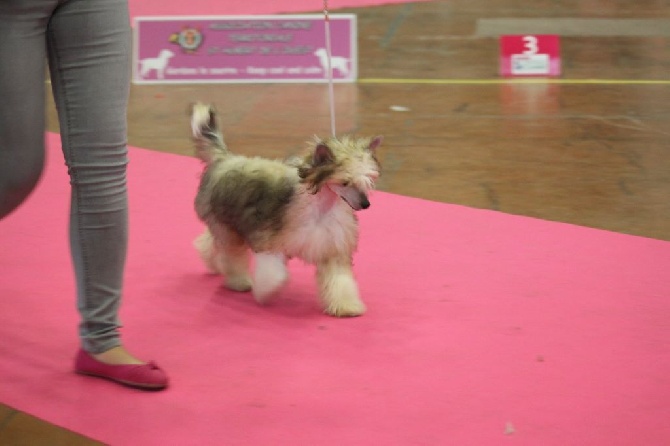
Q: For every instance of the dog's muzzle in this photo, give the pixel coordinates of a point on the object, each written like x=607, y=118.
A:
x=352, y=196
x=365, y=203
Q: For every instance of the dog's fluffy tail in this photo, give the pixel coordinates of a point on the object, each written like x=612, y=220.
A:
x=208, y=138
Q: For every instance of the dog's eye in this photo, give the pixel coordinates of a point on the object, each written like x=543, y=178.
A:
x=345, y=183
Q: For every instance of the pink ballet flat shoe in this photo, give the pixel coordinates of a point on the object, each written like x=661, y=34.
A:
x=143, y=376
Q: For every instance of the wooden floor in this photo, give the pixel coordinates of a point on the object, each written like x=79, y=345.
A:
x=591, y=148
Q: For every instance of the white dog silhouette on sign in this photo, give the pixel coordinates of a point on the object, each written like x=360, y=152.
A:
x=159, y=64
x=340, y=64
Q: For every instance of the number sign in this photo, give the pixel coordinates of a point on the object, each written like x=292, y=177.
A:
x=530, y=55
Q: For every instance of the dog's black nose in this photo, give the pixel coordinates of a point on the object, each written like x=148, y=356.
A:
x=364, y=203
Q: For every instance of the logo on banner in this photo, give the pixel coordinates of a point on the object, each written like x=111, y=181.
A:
x=156, y=65
x=189, y=39
x=337, y=63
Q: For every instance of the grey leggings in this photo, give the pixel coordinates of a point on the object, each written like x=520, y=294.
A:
x=87, y=45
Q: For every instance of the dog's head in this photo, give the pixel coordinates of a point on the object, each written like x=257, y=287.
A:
x=348, y=166
x=166, y=54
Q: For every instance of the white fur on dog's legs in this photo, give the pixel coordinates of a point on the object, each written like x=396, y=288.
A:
x=237, y=269
x=228, y=259
x=269, y=276
x=338, y=289
x=204, y=244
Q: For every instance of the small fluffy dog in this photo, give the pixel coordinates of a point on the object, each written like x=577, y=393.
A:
x=301, y=208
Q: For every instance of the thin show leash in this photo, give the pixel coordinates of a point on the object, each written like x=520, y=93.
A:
x=331, y=91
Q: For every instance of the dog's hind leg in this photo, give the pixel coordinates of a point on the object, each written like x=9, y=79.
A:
x=269, y=276
x=227, y=254
x=235, y=257
x=204, y=244
x=338, y=288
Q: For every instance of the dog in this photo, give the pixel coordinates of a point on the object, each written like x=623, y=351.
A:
x=303, y=208
x=336, y=63
x=156, y=63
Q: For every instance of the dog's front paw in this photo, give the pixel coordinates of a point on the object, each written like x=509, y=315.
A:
x=345, y=308
x=265, y=286
x=238, y=283
x=269, y=276
x=339, y=291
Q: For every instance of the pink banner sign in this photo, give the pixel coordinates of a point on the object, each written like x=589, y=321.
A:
x=530, y=55
x=219, y=49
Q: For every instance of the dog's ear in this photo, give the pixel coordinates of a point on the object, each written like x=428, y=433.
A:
x=212, y=119
x=375, y=142
x=322, y=155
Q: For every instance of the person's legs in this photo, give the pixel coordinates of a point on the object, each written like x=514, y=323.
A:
x=22, y=64
x=89, y=60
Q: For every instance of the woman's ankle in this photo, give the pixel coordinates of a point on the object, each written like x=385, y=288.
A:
x=117, y=356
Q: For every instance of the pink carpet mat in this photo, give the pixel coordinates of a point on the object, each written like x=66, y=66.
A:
x=483, y=328
x=228, y=7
